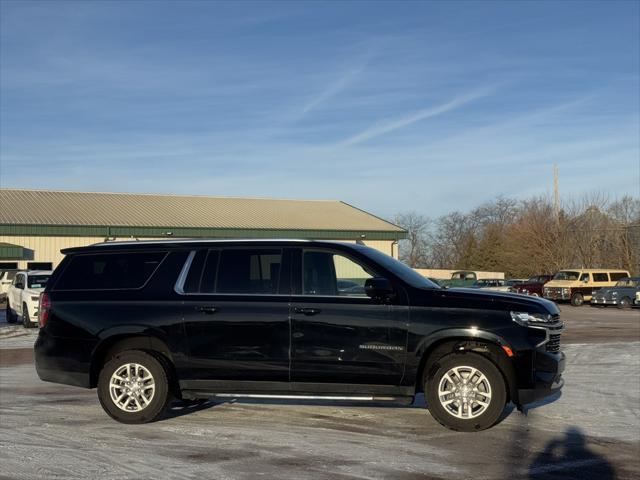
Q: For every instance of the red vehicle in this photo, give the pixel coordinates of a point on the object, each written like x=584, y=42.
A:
x=533, y=286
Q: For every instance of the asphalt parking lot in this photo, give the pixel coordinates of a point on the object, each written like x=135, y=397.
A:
x=591, y=432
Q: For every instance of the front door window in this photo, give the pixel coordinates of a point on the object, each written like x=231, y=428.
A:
x=332, y=274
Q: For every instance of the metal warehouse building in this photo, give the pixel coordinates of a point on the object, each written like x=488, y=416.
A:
x=36, y=224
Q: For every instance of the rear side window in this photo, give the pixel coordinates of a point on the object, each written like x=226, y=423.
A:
x=615, y=276
x=38, y=281
x=246, y=271
x=600, y=277
x=108, y=271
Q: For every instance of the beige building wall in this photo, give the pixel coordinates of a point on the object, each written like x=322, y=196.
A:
x=47, y=248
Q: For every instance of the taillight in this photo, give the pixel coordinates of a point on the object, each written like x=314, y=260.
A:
x=43, y=309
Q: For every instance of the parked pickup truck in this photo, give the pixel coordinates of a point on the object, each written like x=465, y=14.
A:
x=461, y=278
x=23, y=296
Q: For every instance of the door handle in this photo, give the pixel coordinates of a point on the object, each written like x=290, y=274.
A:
x=307, y=310
x=207, y=309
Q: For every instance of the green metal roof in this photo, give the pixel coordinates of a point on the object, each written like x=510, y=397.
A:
x=9, y=251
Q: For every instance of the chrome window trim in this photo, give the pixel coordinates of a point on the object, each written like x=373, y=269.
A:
x=179, y=285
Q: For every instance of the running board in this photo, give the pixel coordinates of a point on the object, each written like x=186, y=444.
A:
x=405, y=400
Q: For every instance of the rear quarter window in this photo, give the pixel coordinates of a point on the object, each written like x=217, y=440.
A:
x=617, y=276
x=109, y=271
x=600, y=277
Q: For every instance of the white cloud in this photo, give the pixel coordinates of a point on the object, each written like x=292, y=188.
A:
x=398, y=123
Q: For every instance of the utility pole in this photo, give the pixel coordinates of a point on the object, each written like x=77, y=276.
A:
x=556, y=194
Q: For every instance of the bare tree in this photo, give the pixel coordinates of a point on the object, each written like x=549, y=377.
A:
x=528, y=237
x=414, y=250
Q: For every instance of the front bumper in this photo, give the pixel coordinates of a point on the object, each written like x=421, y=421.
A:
x=603, y=301
x=547, y=377
x=556, y=294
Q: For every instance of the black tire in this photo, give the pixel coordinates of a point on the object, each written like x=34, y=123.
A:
x=577, y=299
x=491, y=415
x=625, y=303
x=11, y=317
x=26, y=319
x=161, y=397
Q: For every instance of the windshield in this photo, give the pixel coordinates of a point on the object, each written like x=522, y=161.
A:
x=628, y=282
x=398, y=268
x=38, y=281
x=566, y=275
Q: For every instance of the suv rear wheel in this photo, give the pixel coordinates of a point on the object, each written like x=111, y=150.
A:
x=466, y=392
x=133, y=387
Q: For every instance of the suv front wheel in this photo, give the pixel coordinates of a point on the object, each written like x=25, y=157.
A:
x=133, y=387
x=466, y=392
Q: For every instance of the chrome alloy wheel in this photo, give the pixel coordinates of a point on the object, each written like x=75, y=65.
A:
x=132, y=387
x=464, y=392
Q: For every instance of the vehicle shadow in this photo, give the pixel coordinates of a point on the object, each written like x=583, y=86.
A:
x=178, y=408
x=541, y=403
x=569, y=457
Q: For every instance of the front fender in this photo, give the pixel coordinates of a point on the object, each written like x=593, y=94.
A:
x=427, y=342
x=468, y=339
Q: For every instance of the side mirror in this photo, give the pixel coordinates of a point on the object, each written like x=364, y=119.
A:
x=378, y=287
x=20, y=286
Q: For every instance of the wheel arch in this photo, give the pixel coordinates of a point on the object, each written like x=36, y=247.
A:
x=110, y=346
x=484, y=343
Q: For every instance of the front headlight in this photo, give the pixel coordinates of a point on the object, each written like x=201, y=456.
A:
x=527, y=319
x=566, y=290
x=614, y=294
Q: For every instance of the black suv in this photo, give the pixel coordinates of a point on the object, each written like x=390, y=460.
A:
x=147, y=321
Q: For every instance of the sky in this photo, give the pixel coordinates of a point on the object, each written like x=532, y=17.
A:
x=392, y=107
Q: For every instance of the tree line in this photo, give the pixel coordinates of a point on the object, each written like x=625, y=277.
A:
x=527, y=237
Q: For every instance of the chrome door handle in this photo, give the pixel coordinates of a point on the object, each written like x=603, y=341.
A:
x=306, y=310
x=207, y=309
